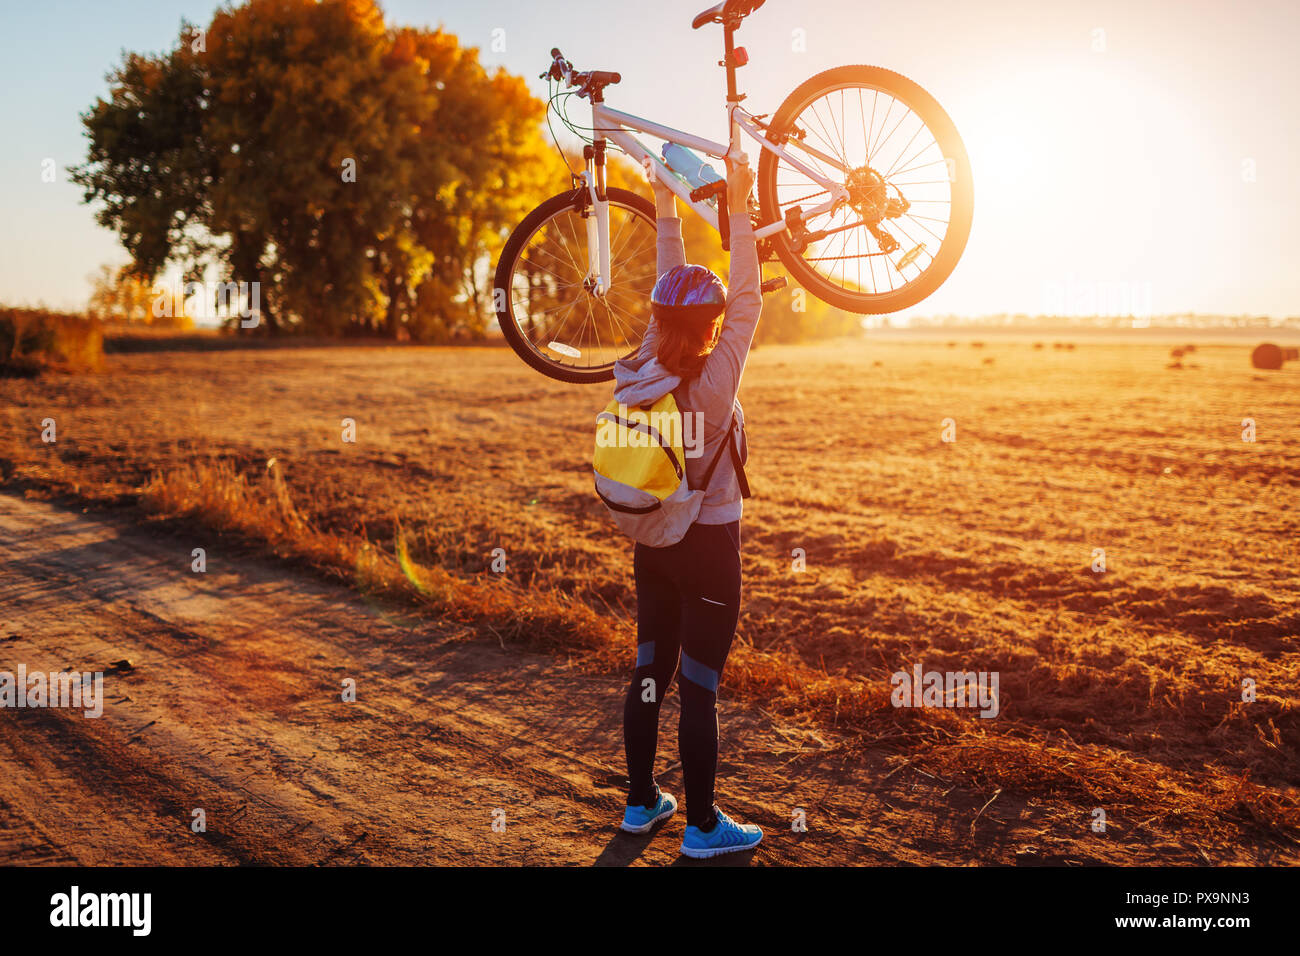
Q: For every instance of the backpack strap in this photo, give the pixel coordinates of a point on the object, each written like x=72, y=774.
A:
x=730, y=443
x=740, y=469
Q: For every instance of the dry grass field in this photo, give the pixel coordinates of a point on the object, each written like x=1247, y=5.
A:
x=1120, y=690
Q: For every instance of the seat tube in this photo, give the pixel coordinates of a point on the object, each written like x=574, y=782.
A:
x=728, y=49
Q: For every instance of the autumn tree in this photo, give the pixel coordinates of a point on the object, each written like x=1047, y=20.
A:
x=482, y=165
x=118, y=295
x=362, y=175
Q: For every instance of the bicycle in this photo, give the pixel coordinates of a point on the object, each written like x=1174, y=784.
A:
x=572, y=287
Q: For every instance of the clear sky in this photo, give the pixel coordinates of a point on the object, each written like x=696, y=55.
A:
x=1160, y=152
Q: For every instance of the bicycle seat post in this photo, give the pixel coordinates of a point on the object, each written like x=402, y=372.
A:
x=730, y=60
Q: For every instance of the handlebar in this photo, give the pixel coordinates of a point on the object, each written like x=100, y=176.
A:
x=562, y=69
x=559, y=67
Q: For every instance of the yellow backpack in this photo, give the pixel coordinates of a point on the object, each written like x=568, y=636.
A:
x=640, y=470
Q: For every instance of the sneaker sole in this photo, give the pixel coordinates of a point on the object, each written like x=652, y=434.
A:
x=646, y=827
x=707, y=853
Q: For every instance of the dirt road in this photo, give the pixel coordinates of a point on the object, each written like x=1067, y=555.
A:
x=232, y=704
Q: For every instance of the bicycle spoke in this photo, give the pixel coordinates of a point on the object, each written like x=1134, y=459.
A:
x=543, y=268
x=935, y=162
x=555, y=335
x=551, y=302
x=883, y=123
x=828, y=140
x=888, y=172
x=872, y=155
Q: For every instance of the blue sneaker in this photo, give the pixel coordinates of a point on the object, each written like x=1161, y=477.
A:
x=641, y=819
x=727, y=836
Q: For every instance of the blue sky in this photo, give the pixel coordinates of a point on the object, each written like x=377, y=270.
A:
x=1120, y=165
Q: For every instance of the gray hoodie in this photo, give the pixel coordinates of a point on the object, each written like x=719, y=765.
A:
x=641, y=380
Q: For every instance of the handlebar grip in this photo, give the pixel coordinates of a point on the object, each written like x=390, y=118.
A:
x=618, y=78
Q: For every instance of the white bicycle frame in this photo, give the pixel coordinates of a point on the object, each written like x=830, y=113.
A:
x=615, y=126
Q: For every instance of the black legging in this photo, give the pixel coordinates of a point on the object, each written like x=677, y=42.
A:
x=688, y=601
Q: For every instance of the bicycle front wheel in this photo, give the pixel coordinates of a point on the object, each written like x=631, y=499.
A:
x=894, y=149
x=546, y=304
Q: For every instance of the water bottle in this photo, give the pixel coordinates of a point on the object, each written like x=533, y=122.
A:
x=689, y=166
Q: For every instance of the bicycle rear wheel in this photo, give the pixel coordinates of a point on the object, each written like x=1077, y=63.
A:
x=545, y=305
x=911, y=198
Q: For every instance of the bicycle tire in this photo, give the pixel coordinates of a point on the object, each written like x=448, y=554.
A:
x=515, y=245
x=927, y=108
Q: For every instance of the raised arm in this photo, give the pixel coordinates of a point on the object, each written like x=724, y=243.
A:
x=670, y=249
x=744, y=297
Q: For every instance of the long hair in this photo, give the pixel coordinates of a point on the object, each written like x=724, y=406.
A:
x=683, y=346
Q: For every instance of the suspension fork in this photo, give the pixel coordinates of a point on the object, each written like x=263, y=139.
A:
x=599, y=279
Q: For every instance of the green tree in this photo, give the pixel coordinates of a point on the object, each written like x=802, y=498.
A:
x=363, y=175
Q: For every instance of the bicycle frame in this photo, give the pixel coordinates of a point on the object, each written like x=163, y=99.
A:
x=616, y=126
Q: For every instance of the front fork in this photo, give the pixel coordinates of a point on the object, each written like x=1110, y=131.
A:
x=598, y=280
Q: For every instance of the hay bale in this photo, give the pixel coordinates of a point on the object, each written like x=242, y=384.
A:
x=1271, y=357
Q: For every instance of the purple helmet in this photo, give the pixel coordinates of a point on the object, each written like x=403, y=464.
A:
x=688, y=294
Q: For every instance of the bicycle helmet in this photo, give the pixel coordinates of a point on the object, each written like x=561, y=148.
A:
x=688, y=294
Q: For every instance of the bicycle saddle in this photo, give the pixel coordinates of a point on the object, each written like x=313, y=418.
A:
x=723, y=11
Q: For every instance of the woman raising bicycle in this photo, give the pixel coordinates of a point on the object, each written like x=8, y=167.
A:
x=688, y=594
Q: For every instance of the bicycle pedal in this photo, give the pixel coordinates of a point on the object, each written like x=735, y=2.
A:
x=709, y=190
x=774, y=284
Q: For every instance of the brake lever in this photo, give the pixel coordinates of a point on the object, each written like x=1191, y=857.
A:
x=554, y=72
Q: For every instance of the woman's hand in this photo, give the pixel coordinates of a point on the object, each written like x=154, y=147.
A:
x=665, y=201
x=740, y=183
